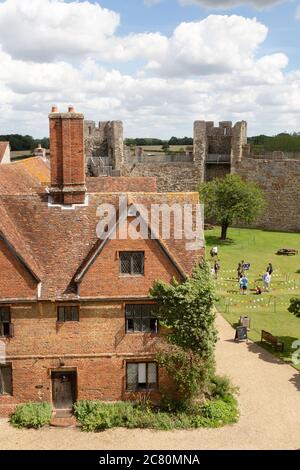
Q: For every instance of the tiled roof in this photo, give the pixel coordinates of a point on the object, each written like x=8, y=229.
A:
x=24, y=177
x=10, y=235
x=53, y=242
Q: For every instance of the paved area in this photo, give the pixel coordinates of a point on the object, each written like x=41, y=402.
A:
x=269, y=403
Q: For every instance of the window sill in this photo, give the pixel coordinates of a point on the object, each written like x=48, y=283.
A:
x=142, y=332
x=131, y=275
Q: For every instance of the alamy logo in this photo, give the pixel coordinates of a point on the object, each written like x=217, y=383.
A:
x=137, y=221
x=2, y=352
x=296, y=354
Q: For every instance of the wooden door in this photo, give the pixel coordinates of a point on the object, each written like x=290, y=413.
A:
x=63, y=389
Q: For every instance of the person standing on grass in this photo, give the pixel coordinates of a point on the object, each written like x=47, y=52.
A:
x=270, y=269
x=239, y=271
x=217, y=268
x=267, y=281
x=244, y=284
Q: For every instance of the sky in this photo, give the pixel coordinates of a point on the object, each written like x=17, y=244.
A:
x=157, y=65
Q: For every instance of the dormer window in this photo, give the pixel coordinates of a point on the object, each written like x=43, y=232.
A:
x=131, y=263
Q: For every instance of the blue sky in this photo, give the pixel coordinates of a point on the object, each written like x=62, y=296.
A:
x=158, y=68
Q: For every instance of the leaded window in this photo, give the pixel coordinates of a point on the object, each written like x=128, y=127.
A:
x=141, y=318
x=132, y=262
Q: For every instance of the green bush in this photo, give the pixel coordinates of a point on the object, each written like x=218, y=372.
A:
x=217, y=413
x=32, y=415
x=98, y=416
x=220, y=387
x=295, y=306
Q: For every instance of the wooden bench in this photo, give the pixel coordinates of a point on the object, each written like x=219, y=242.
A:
x=273, y=340
x=287, y=251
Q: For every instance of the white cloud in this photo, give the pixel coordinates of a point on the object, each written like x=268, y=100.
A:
x=43, y=30
x=217, y=44
x=51, y=30
x=260, y=4
x=298, y=13
x=211, y=69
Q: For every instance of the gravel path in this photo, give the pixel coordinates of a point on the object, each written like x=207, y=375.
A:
x=269, y=403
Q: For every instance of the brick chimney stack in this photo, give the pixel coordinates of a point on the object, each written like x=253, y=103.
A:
x=67, y=156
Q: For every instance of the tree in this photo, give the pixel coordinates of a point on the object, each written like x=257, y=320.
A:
x=295, y=306
x=186, y=310
x=231, y=200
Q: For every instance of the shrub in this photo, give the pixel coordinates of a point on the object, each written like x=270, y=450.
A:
x=32, y=415
x=98, y=416
x=221, y=387
x=217, y=413
x=295, y=306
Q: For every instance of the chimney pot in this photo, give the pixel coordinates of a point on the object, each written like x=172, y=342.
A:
x=54, y=109
x=71, y=109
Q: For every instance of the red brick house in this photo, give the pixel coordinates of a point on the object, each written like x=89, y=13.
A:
x=76, y=321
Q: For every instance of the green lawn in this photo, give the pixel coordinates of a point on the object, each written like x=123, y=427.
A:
x=269, y=310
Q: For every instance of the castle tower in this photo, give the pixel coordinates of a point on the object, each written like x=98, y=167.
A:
x=200, y=147
x=67, y=157
x=239, y=139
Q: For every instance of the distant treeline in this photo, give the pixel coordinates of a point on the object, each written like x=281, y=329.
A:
x=24, y=142
x=261, y=143
x=145, y=142
x=283, y=142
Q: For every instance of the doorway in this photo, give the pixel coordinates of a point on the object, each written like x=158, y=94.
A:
x=64, y=389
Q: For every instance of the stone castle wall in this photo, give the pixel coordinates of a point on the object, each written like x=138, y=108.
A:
x=170, y=177
x=277, y=174
x=280, y=182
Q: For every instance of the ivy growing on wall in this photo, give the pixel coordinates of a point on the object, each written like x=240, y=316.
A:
x=186, y=310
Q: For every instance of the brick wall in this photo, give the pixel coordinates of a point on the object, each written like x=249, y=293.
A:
x=96, y=347
x=104, y=280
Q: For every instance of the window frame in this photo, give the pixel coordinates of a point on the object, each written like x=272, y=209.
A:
x=8, y=323
x=147, y=389
x=59, y=320
x=139, y=316
x=7, y=366
x=132, y=253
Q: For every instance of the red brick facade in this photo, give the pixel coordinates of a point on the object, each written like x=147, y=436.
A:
x=157, y=266
x=97, y=348
x=52, y=257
